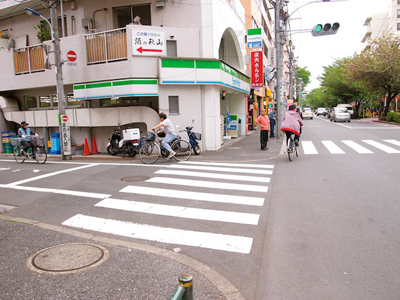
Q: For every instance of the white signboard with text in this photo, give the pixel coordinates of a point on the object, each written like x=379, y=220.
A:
x=148, y=43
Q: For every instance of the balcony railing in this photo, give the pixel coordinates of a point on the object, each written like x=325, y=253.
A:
x=106, y=46
x=29, y=59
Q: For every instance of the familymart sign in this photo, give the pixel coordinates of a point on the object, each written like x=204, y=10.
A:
x=202, y=72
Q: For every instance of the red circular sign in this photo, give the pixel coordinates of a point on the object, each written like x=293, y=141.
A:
x=71, y=55
x=64, y=118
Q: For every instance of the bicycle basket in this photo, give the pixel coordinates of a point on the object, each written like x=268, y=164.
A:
x=37, y=141
x=150, y=136
x=197, y=135
x=15, y=142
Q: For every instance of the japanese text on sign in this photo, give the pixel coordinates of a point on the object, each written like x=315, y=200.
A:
x=257, y=69
x=148, y=43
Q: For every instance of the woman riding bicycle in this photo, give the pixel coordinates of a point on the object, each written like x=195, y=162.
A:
x=292, y=123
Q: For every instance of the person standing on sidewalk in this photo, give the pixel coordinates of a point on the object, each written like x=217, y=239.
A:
x=263, y=122
x=272, y=122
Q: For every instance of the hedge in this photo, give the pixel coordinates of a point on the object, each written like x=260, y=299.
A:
x=393, y=117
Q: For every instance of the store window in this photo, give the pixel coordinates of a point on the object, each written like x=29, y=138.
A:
x=30, y=102
x=128, y=14
x=45, y=101
x=173, y=104
x=172, y=50
x=71, y=102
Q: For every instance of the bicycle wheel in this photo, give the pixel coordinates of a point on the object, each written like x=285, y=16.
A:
x=149, y=152
x=41, y=155
x=19, y=159
x=183, y=150
x=290, y=149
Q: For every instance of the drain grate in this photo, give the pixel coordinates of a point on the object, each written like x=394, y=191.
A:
x=67, y=258
x=135, y=178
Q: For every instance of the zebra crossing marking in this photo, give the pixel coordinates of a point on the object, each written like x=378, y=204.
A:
x=214, y=175
x=231, y=199
x=230, y=243
x=394, y=142
x=382, y=147
x=210, y=184
x=356, y=147
x=257, y=166
x=229, y=170
x=332, y=147
x=180, y=211
x=308, y=147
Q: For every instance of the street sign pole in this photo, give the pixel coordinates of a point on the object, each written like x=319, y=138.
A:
x=60, y=85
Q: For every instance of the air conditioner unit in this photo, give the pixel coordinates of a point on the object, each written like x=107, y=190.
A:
x=160, y=3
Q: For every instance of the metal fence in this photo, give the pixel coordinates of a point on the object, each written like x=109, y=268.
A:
x=29, y=59
x=106, y=46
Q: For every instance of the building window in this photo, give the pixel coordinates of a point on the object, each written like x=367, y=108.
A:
x=398, y=26
x=173, y=104
x=30, y=102
x=398, y=13
x=398, y=2
x=128, y=14
x=45, y=101
x=172, y=50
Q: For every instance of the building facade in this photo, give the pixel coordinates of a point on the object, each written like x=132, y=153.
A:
x=125, y=62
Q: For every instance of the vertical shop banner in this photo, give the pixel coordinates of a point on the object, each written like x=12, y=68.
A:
x=257, y=69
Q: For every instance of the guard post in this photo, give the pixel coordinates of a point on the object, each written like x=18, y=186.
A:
x=184, y=290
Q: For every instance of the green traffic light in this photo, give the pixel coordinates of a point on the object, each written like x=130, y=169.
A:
x=318, y=28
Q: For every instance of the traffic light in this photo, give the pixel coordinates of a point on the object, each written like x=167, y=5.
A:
x=327, y=29
x=324, y=91
x=269, y=74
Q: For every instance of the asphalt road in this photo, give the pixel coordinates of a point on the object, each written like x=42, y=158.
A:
x=333, y=227
x=320, y=227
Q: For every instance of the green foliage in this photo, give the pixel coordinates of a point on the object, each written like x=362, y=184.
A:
x=393, y=117
x=317, y=98
x=42, y=33
x=303, y=74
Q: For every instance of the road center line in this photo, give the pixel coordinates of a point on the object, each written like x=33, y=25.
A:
x=50, y=174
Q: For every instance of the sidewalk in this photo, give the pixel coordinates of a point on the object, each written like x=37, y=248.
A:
x=123, y=270
x=242, y=149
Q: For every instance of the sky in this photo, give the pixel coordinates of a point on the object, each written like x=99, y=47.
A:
x=316, y=52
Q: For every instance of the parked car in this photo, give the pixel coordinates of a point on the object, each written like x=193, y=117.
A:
x=307, y=113
x=339, y=114
x=321, y=111
x=349, y=108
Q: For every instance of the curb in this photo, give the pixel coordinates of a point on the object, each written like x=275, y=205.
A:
x=229, y=291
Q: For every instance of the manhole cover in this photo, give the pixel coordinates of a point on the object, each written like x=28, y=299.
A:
x=135, y=178
x=67, y=258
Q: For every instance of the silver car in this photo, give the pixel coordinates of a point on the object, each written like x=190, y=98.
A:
x=339, y=114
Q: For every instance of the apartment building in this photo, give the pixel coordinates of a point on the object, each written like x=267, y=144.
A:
x=124, y=62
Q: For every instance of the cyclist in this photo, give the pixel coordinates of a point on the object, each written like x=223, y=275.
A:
x=24, y=133
x=292, y=123
x=170, y=133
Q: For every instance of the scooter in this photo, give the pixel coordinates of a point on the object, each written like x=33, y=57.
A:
x=193, y=137
x=117, y=144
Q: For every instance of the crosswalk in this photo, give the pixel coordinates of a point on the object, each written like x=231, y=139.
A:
x=348, y=146
x=220, y=198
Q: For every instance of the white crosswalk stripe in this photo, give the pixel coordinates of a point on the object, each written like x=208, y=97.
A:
x=310, y=147
x=382, y=147
x=204, y=183
x=332, y=147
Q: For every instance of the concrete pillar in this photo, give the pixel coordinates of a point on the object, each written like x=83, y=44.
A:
x=212, y=117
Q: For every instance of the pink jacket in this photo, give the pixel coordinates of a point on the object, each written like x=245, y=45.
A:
x=291, y=122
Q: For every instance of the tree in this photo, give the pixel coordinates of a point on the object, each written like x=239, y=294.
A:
x=317, y=98
x=302, y=75
x=341, y=88
x=377, y=68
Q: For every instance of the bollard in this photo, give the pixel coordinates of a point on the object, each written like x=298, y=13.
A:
x=184, y=291
x=187, y=282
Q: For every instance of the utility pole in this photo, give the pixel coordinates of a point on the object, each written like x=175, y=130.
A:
x=278, y=64
x=65, y=140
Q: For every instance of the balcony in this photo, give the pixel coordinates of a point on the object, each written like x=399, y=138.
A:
x=106, y=46
x=29, y=59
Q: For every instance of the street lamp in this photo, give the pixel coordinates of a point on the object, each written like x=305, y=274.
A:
x=64, y=128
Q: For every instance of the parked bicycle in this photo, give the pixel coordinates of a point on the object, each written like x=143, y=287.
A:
x=38, y=152
x=151, y=148
x=291, y=147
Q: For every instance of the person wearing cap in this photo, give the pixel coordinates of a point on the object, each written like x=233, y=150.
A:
x=24, y=134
